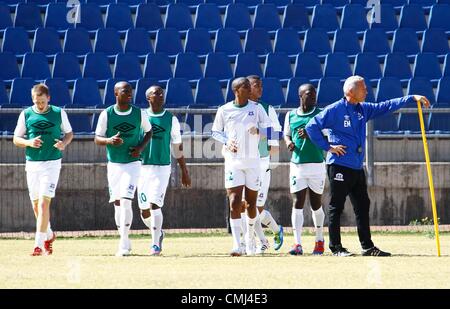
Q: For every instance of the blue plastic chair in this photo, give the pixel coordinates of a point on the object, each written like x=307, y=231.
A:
x=296, y=16
x=317, y=41
x=86, y=93
x=15, y=40
x=346, y=41
x=168, y=41
x=368, y=66
x=28, y=16
x=435, y=41
x=141, y=87
x=67, y=66
x=77, y=41
x=354, y=16
x=325, y=17
x=388, y=88
x=9, y=70
x=307, y=65
x=127, y=67
x=247, y=64
x=439, y=17
x=218, y=66
x=228, y=42
x=148, y=16
x=118, y=16
x=56, y=17
x=427, y=65
x=405, y=41
x=376, y=41
x=287, y=41
x=237, y=16
x=198, y=41
x=208, y=17
x=187, y=66
x=4, y=100
x=397, y=65
x=337, y=65
x=178, y=93
x=209, y=92
x=178, y=17
x=138, y=41
x=35, y=66
x=272, y=91
x=422, y=86
x=90, y=18
x=292, y=98
x=157, y=66
x=266, y=17
x=21, y=92
x=278, y=65
x=46, y=40
x=107, y=41
x=59, y=92
x=328, y=91
x=257, y=40
x=96, y=65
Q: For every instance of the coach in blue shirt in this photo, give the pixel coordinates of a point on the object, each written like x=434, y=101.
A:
x=346, y=123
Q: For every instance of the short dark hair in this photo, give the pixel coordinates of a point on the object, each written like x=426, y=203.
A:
x=238, y=82
x=253, y=77
x=40, y=89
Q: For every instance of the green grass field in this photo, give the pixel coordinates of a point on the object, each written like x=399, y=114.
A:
x=195, y=261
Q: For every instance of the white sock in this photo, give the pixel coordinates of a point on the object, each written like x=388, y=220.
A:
x=259, y=230
x=244, y=224
x=126, y=218
x=49, y=231
x=318, y=219
x=250, y=235
x=297, y=225
x=39, y=239
x=156, y=225
x=267, y=219
x=147, y=221
x=117, y=216
x=235, y=225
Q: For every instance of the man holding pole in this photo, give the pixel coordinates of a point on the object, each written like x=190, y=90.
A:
x=346, y=123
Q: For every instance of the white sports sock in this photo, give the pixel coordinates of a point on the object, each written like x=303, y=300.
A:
x=244, y=224
x=117, y=216
x=250, y=235
x=39, y=239
x=156, y=225
x=49, y=231
x=126, y=218
x=259, y=230
x=235, y=225
x=147, y=221
x=297, y=225
x=267, y=219
x=318, y=219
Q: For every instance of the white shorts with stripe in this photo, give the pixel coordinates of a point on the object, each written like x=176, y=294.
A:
x=307, y=175
x=152, y=185
x=42, y=178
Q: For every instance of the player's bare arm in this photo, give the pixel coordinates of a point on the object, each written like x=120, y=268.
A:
x=178, y=153
x=61, y=144
x=23, y=142
x=136, y=150
x=115, y=140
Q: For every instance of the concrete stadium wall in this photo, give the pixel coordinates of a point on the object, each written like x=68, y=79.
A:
x=400, y=195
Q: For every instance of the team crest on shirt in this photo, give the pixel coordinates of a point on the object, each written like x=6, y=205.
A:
x=339, y=177
x=347, y=122
x=52, y=186
x=251, y=113
x=130, y=187
x=360, y=116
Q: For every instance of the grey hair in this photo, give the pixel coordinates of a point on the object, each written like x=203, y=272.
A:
x=350, y=83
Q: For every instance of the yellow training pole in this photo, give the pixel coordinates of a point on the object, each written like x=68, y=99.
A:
x=430, y=177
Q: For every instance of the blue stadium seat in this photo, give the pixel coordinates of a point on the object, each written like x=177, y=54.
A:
x=168, y=41
x=376, y=41
x=141, y=87
x=439, y=17
x=198, y=41
x=409, y=123
x=278, y=65
x=388, y=88
x=66, y=65
x=325, y=17
x=354, y=16
x=108, y=96
x=387, y=124
x=178, y=93
x=257, y=40
x=15, y=40
x=209, y=92
x=307, y=65
x=132, y=4
x=21, y=91
x=46, y=40
x=86, y=93
x=279, y=3
x=427, y=65
x=425, y=4
x=329, y=91
x=422, y=86
x=96, y=65
x=287, y=41
x=266, y=16
x=337, y=65
x=250, y=4
x=272, y=91
x=127, y=67
x=178, y=17
x=413, y=16
x=107, y=40
x=59, y=92
x=397, y=65
x=316, y=41
x=368, y=66
x=81, y=123
x=35, y=66
x=397, y=4
x=221, y=4
x=9, y=70
x=405, y=41
x=192, y=4
x=295, y=16
x=77, y=41
x=28, y=16
x=102, y=4
x=370, y=96
x=118, y=16
x=90, y=18
x=157, y=66
x=218, y=66
x=309, y=4
x=229, y=42
x=292, y=98
x=237, y=16
x=208, y=17
x=5, y=18
x=187, y=66
x=3, y=95
x=336, y=3
x=439, y=123
x=8, y=122
x=148, y=17
x=56, y=17
x=388, y=20
x=435, y=41
x=346, y=41
x=138, y=41
x=247, y=64
x=229, y=92
x=446, y=69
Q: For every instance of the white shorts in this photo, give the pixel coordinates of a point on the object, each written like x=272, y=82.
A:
x=265, y=181
x=306, y=175
x=152, y=185
x=249, y=177
x=42, y=178
x=122, y=179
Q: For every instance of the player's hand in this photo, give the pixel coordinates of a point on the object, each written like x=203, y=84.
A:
x=115, y=140
x=253, y=131
x=185, y=179
x=291, y=146
x=232, y=146
x=338, y=149
x=36, y=142
x=423, y=100
x=135, y=152
x=302, y=133
x=59, y=144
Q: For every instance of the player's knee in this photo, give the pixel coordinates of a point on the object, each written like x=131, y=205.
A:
x=117, y=203
x=145, y=213
x=155, y=207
